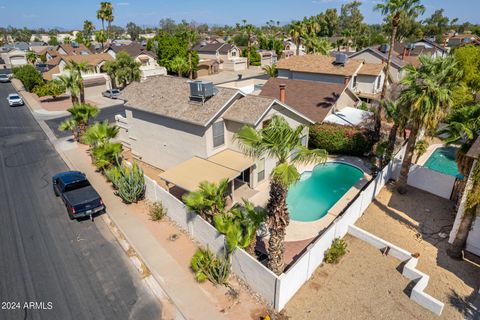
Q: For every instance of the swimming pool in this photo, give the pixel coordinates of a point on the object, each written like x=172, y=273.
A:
x=318, y=190
x=443, y=160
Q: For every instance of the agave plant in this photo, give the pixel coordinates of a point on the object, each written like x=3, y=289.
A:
x=208, y=200
x=209, y=267
x=128, y=182
x=106, y=155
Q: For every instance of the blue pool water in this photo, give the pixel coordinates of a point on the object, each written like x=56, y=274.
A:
x=443, y=160
x=318, y=190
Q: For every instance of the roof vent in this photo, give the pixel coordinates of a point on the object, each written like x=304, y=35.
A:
x=384, y=48
x=341, y=59
x=201, y=91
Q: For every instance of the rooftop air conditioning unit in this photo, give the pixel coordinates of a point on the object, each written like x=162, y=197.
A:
x=384, y=48
x=341, y=59
x=202, y=90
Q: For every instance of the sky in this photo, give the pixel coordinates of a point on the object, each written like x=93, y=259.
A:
x=71, y=14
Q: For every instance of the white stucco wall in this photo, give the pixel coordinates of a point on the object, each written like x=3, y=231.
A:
x=164, y=142
x=473, y=240
x=370, y=58
x=431, y=181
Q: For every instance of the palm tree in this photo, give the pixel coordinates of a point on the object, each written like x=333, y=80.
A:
x=296, y=30
x=81, y=113
x=395, y=113
x=71, y=82
x=209, y=200
x=106, y=156
x=127, y=69
x=428, y=91
x=471, y=206
x=109, y=17
x=70, y=125
x=79, y=68
x=179, y=65
x=191, y=37
x=393, y=10
x=88, y=28
x=249, y=31
x=281, y=142
x=313, y=44
x=111, y=68
x=101, y=36
x=31, y=57
x=100, y=133
x=271, y=71
x=462, y=127
x=105, y=13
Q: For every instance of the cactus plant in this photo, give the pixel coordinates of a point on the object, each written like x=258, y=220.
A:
x=209, y=267
x=128, y=182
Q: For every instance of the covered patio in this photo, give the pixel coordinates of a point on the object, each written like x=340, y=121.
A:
x=227, y=164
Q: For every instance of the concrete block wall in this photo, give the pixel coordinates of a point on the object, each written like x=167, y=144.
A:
x=409, y=270
x=431, y=181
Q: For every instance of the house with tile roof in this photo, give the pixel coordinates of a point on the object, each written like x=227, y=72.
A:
x=361, y=78
x=315, y=99
x=95, y=79
x=147, y=59
x=227, y=55
x=190, y=136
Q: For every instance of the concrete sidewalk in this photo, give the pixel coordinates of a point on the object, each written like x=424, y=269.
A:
x=179, y=285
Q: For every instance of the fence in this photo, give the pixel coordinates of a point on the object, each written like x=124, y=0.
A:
x=431, y=181
x=276, y=290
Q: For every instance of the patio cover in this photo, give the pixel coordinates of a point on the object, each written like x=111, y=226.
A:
x=350, y=116
x=233, y=160
x=188, y=174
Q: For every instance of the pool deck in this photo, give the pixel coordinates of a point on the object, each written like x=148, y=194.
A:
x=300, y=230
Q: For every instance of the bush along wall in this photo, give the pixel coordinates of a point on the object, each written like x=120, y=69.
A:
x=338, y=139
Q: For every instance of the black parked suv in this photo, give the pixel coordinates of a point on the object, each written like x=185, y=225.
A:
x=79, y=196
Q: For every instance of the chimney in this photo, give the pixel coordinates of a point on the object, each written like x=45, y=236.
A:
x=282, y=92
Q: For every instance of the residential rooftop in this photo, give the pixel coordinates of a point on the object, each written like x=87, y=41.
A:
x=248, y=109
x=314, y=99
x=134, y=49
x=202, y=47
x=319, y=64
x=170, y=97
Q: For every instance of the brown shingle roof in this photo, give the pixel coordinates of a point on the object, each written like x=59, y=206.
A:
x=248, y=109
x=170, y=97
x=49, y=74
x=70, y=50
x=371, y=69
x=314, y=99
x=319, y=64
x=134, y=49
x=91, y=59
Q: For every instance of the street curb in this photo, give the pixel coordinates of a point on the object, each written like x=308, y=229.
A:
x=169, y=310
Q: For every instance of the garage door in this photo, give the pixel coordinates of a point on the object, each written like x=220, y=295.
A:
x=18, y=61
x=94, y=86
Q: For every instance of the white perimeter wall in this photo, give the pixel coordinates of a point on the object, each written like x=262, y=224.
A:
x=431, y=181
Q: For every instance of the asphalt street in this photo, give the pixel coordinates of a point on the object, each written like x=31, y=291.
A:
x=107, y=113
x=51, y=267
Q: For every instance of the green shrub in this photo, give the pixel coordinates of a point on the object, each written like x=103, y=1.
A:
x=338, y=139
x=52, y=88
x=157, y=211
x=29, y=76
x=336, y=251
x=128, y=182
x=209, y=267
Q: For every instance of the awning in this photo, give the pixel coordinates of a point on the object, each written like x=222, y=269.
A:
x=188, y=174
x=233, y=160
x=350, y=116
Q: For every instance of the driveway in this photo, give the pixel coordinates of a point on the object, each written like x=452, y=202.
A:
x=62, y=269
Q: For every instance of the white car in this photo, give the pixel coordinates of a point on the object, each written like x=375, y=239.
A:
x=14, y=100
x=4, y=78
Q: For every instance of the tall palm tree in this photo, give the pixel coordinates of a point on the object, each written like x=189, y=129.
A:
x=191, y=37
x=179, y=64
x=249, y=30
x=88, y=28
x=100, y=133
x=281, y=142
x=105, y=13
x=109, y=17
x=71, y=82
x=79, y=68
x=393, y=10
x=209, y=200
x=462, y=127
x=296, y=30
x=471, y=208
x=396, y=114
x=428, y=91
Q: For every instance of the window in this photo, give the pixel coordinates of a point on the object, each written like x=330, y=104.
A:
x=378, y=83
x=354, y=81
x=218, y=134
x=261, y=170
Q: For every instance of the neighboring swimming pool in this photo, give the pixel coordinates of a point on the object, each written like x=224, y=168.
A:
x=318, y=190
x=443, y=160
